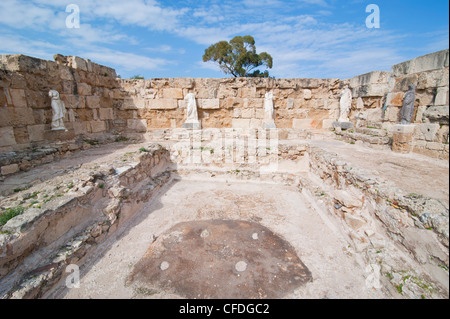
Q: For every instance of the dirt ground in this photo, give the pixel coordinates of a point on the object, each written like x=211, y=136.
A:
x=316, y=239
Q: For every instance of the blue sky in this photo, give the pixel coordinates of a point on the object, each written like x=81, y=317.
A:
x=167, y=38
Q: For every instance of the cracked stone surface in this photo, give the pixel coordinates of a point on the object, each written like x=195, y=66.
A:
x=213, y=267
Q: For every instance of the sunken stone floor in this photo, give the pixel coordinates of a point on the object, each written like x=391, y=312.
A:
x=202, y=239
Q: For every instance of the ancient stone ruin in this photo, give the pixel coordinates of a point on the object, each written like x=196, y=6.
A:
x=223, y=188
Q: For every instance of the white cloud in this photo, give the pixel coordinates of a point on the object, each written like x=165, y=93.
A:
x=124, y=61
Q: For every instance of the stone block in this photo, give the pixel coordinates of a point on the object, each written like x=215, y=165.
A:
x=255, y=123
x=327, y=124
x=402, y=137
x=9, y=169
x=84, y=89
x=247, y=113
x=162, y=104
x=79, y=63
x=97, y=126
x=441, y=96
x=80, y=127
x=259, y=114
x=12, y=116
x=309, y=83
x=392, y=114
x=232, y=102
x=172, y=93
x=7, y=137
x=5, y=98
x=36, y=132
x=106, y=102
x=359, y=104
x=438, y=114
x=343, y=125
x=208, y=104
x=59, y=135
x=403, y=148
x=248, y=92
x=434, y=146
x=395, y=99
x=93, y=102
x=290, y=104
x=433, y=61
x=73, y=101
x=240, y=123
x=286, y=83
x=21, y=134
x=65, y=73
x=137, y=125
x=303, y=123
x=18, y=97
x=106, y=114
x=370, y=90
x=37, y=99
x=429, y=131
x=192, y=126
x=184, y=83
x=404, y=129
x=353, y=221
x=376, y=77
x=433, y=79
x=307, y=94
x=267, y=126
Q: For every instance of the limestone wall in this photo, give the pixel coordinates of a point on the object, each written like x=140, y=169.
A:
x=430, y=74
x=100, y=105
x=378, y=99
x=227, y=103
x=25, y=107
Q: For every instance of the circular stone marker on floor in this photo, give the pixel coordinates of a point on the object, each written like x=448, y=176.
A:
x=226, y=264
x=164, y=265
x=241, y=266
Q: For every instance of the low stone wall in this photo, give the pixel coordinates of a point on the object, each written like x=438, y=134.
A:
x=65, y=223
x=417, y=225
x=392, y=202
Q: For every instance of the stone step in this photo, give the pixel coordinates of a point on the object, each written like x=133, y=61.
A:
x=372, y=140
x=371, y=131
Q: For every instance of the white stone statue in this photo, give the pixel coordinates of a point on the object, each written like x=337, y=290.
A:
x=191, y=113
x=345, y=104
x=59, y=111
x=269, y=121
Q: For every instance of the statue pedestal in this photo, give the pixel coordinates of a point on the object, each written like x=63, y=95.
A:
x=402, y=138
x=269, y=126
x=59, y=135
x=192, y=125
x=343, y=125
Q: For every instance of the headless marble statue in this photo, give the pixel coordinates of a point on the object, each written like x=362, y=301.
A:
x=269, y=121
x=192, y=121
x=59, y=111
x=407, y=111
x=345, y=105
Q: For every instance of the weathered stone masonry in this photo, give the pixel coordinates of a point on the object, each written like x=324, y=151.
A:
x=100, y=105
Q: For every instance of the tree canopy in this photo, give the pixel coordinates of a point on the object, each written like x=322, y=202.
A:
x=238, y=57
